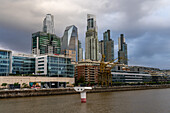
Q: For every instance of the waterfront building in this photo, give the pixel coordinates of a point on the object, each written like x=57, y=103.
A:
x=122, y=52
x=69, y=43
x=106, y=46
x=54, y=66
x=89, y=70
x=80, y=51
x=43, y=82
x=23, y=64
x=48, y=24
x=130, y=77
x=5, y=62
x=45, y=43
x=91, y=44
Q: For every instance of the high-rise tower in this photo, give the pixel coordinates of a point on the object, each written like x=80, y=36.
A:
x=106, y=46
x=69, y=42
x=45, y=43
x=122, y=53
x=80, y=51
x=48, y=24
x=92, y=44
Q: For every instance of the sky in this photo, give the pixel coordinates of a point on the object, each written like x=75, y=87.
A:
x=145, y=24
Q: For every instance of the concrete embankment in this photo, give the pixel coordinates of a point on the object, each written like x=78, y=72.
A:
x=46, y=92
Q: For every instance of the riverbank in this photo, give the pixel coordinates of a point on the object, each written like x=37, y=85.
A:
x=64, y=91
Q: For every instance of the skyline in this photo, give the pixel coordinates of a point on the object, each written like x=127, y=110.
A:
x=146, y=28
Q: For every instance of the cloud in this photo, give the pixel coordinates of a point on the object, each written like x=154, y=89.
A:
x=145, y=24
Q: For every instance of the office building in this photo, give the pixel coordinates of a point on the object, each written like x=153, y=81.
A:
x=5, y=62
x=23, y=64
x=130, y=77
x=45, y=43
x=106, y=46
x=80, y=51
x=54, y=66
x=91, y=41
x=69, y=43
x=48, y=24
x=122, y=52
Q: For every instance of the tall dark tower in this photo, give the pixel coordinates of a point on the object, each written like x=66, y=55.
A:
x=122, y=53
x=106, y=46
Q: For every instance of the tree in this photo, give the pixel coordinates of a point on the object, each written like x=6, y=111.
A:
x=16, y=84
x=4, y=84
x=39, y=72
x=24, y=85
x=81, y=79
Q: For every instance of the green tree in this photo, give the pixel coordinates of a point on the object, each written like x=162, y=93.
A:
x=39, y=72
x=16, y=84
x=4, y=84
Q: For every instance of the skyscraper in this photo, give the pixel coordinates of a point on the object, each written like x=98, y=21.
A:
x=48, y=24
x=45, y=43
x=106, y=46
x=69, y=42
x=80, y=51
x=92, y=44
x=122, y=53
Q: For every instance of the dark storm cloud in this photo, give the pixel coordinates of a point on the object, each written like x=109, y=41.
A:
x=145, y=24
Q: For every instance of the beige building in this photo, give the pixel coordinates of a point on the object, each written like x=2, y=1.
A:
x=28, y=79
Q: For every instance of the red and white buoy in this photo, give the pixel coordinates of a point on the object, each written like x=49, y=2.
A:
x=82, y=91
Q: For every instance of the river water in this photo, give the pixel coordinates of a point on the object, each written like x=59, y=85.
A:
x=141, y=101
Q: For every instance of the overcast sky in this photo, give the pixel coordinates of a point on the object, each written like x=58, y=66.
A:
x=145, y=23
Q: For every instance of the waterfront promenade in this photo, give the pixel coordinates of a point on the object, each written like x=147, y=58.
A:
x=65, y=91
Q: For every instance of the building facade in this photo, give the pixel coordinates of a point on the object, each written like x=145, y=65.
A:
x=54, y=66
x=89, y=70
x=5, y=62
x=48, y=82
x=48, y=24
x=106, y=46
x=69, y=42
x=23, y=64
x=80, y=51
x=91, y=44
x=45, y=43
x=122, y=52
x=130, y=77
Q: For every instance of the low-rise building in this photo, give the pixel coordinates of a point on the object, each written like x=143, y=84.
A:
x=130, y=77
x=5, y=62
x=51, y=82
x=23, y=64
x=54, y=66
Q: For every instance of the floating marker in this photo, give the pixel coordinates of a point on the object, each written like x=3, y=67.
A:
x=82, y=91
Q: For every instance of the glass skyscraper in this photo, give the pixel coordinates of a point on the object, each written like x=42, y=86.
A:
x=45, y=43
x=106, y=46
x=122, y=53
x=92, y=44
x=69, y=42
x=48, y=24
x=5, y=62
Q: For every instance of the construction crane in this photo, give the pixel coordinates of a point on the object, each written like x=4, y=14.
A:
x=105, y=78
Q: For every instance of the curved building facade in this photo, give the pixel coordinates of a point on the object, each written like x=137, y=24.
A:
x=69, y=42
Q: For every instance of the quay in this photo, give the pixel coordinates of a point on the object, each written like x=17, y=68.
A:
x=70, y=90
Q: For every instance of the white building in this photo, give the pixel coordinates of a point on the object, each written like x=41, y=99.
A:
x=92, y=44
